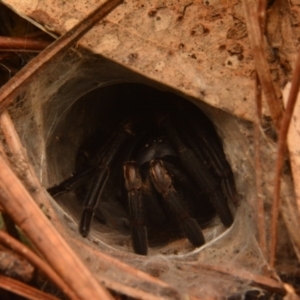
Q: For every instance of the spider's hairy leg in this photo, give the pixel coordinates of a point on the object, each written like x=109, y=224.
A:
x=200, y=172
x=163, y=184
x=94, y=194
x=133, y=184
x=209, y=148
x=222, y=167
x=70, y=183
x=108, y=156
x=195, y=199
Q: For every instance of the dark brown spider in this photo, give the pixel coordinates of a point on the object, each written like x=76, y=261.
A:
x=167, y=160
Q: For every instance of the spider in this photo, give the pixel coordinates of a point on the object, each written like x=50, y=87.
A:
x=168, y=163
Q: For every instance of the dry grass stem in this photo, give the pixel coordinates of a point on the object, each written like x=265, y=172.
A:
x=13, y=87
x=23, y=289
x=22, y=44
x=25, y=252
x=17, y=202
x=19, y=154
x=281, y=149
x=261, y=64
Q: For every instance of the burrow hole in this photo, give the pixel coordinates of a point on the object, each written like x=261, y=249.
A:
x=74, y=146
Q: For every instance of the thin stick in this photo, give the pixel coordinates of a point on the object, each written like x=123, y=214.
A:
x=25, y=252
x=19, y=154
x=13, y=87
x=23, y=289
x=281, y=147
x=17, y=202
x=22, y=44
x=18, y=151
x=261, y=65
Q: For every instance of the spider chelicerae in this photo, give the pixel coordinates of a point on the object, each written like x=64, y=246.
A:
x=166, y=162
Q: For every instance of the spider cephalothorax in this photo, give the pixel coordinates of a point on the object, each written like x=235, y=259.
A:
x=172, y=169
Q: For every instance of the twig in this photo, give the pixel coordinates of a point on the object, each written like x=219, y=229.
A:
x=281, y=147
x=25, y=252
x=22, y=44
x=261, y=65
x=291, y=292
x=19, y=154
x=24, y=290
x=16, y=148
x=13, y=87
x=17, y=202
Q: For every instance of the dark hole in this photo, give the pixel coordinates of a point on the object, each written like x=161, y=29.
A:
x=92, y=123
